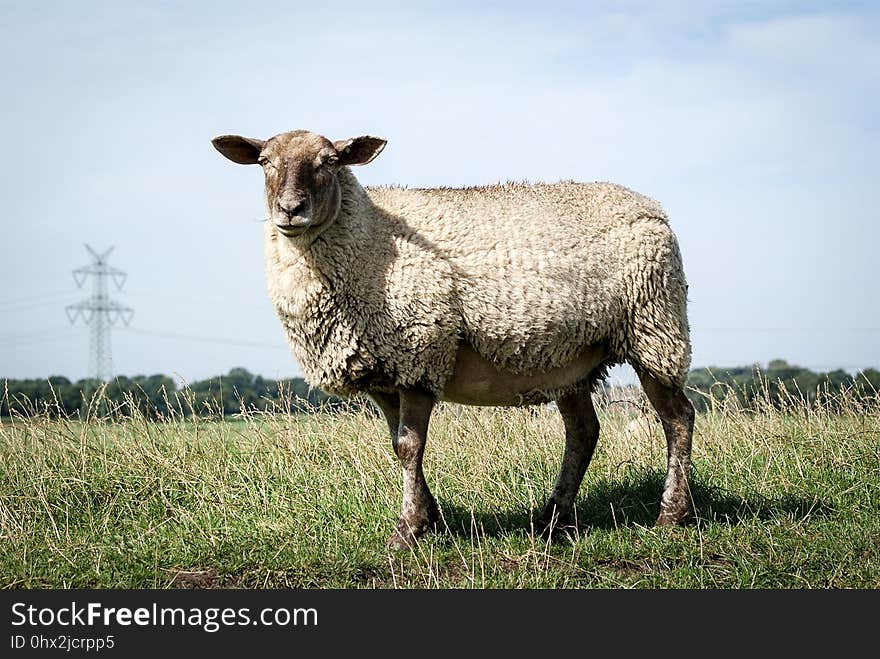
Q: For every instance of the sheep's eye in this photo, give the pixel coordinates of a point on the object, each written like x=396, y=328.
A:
x=265, y=161
x=327, y=159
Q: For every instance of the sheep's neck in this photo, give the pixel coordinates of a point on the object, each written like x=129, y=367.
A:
x=311, y=282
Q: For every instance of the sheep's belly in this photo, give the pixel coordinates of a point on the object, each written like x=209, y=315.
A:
x=477, y=381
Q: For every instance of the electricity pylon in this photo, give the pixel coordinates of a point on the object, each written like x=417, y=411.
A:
x=99, y=312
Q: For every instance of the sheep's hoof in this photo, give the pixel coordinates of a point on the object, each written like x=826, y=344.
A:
x=671, y=517
x=552, y=521
x=401, y=539
x=406, y=535
x=408, y=532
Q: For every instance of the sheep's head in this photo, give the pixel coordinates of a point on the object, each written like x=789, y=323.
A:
x=301, y=168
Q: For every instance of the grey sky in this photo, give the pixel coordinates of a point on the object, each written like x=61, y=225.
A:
x=755, y=124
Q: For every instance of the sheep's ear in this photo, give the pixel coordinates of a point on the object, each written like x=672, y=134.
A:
x=243, y=150
x=359, y=150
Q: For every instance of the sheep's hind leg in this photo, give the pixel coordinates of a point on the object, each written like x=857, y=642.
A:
x=581, y=436
x=418, y=512
x=389, y=403
x=677, y=416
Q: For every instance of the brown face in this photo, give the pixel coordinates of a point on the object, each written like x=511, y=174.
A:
x=301, y=169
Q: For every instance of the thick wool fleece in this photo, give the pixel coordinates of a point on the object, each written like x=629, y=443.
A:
x=528, y=275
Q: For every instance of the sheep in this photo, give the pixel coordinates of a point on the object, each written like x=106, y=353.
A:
x=511, y=294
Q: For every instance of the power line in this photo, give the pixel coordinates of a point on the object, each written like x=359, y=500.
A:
x=62, y=334
x=205, y=339
x=31, y=305
x=264, y=303
x=51, y=300
x=31, y=298
x=99, y=312
x=41, y=336
x=47, y=301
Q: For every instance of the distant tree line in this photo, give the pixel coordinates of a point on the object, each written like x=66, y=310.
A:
x=158, y=395
x=779, y=384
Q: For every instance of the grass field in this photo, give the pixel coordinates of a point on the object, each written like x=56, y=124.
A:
x=783, y=499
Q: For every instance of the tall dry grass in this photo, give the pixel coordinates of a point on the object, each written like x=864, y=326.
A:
x=784, y=496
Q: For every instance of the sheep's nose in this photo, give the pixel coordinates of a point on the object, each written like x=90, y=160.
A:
x=294, y=208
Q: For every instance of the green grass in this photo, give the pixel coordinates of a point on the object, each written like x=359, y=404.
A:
x=783, y=499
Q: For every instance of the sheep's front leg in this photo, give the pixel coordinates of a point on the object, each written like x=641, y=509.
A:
x=581, y=436
x=418, y=513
